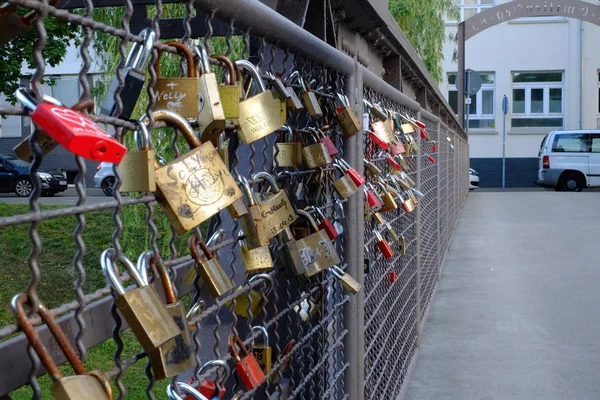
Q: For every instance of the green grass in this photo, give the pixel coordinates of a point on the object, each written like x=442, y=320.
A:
x=58, y=275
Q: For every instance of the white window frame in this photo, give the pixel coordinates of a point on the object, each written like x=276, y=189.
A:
x=479, y=115
x=546, y=86
x=479, y=7
x=598, y=107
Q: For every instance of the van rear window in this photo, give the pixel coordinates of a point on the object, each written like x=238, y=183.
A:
x=571, y=143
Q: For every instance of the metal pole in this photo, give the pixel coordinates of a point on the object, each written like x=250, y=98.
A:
x=504, y=151
x=418, y=292
x=460, y=79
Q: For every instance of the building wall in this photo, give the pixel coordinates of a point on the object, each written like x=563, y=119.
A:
x=529, y=44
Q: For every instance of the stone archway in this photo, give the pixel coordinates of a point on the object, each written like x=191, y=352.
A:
x=512, y=10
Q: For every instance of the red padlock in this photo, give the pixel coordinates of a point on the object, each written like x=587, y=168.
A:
x=383, y=246
x=213, y=389
x=373, y=201
x=352, y=173
x=325, y=224
x=394, y=164
x=397, y=148
x=72, y=130
x=434, y=147
x=382, y=144
x=326, y=140
x=247, y=367
x=393, y=277
x=431, y=159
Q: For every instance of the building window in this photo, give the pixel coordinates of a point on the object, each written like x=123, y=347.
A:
x=482, y=108
x=537, y=99
x=470, y=8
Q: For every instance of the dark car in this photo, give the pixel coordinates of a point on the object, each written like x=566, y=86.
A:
x=14, y=177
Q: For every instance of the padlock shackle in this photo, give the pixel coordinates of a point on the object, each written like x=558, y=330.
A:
x=310, y=219
x=143, y=265
x=185, y=388
x=232, y=71
x=253, y=72
x=183, y=51
x=337, y=271
x=378, y=235
x=203, y=65
x=288, y=134
x=317, y=211
x=292, y=77
x=270, y=179
x=110, y=271
x=252, y=201
x=141, y=135
x=265, y=333
x=267, y=278
x=193, y=243
x=217, y=364
x=198, y=307
x=216, y=238
x=35, y=341
x=167, y=284
x=176, y=121
x=232, y=342
x=140, y=52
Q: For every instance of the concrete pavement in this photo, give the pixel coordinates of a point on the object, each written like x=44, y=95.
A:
x=66, y=198
x=516, y=312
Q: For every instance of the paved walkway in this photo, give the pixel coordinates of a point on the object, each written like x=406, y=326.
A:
x=517, y=313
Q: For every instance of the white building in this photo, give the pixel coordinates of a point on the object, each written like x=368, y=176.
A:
x=548, y=67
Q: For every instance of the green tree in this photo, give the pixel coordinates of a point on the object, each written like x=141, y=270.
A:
x=423, y=23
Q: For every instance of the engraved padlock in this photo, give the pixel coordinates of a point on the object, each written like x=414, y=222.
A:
x=178, y=94
x=260, y=115
x=292, y=253
x=257, y=259
x=93, y=385
x=138, y=167
x=315, y=154
x=176, y=355
x=211, y=117
x=141, y=307
x=231, y=90
x=209, y=269
x=196, y=185
x=288, y=153
x=276, y=211
x=263, y=352
x=321, y=246
x=348, y=282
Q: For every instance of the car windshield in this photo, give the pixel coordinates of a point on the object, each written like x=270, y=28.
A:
x=542, y=145
x=14, y=160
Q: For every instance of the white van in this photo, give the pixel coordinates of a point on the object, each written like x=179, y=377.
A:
x=570, y=160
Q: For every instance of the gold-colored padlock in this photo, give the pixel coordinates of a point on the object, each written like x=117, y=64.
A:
x=263, y=352
x=310, y=100
x=321, y=246
x=93, y=385
x=176, y=355
x=348, y=282
x=402, y=245
x=209, y=269
x=196, y=185
x=137, y=167
x=379, y=220
x=347, y=118
x=288, y=153
x=223, y=149
x=293, y=102
x=141, y=307
x=316, y=154
x=256, y=259
x=344, y=186
x=179, y=95
x=260, y=115
x=211, y=117
x=378, y=112
x=216, y=238
x=276, y=211
x=389, y=203
x=292, y=253
x=254, y=300
x=230, y=93
x=391, y=232
x=407, y=203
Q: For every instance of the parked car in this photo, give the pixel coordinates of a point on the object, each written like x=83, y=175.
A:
x=14, y=177
x=105, y=178
x=570, y=160
x=473, y=179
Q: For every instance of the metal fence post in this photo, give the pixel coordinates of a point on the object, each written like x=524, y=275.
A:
x=418, y=244
x=438, y=205
x=354, y=311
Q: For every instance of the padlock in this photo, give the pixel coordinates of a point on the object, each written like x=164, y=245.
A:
x=346, y=117
x=178, y=94
x=214, y=389
x=138, y=167
x=72, y=130
x=357, y=178
x=209, y=269
x=238, y=209
x=285, y=358
x=13, y=25
x=324, y=222
x=378, y=112
x=177, y=355
x=246, y=366
x=372, y=168
x=408, y=179
x=288, y=154
x=417, y=193
x=391, y=232
x=293, y=102
x=256, y=259
x=254, y=300
x=93, y=386
x=379, y=219
x=292, y=253
x=260, y=115
x=320, y=244
x=279, y=86
x=407, y=203
x=310, y=100
x=316, y=154
x=196, y=185
x=133, y=76
x=262, y=352
x=412, y=196
x=402, y=244
x=388, y=202
x=407, y=128
x=381, y=142
x=393, y=163
x=373, y=201
x=344, y=186
x=276, y=211
x=191, y=393
x=397, y=149
x=348, y=282
x=326, y=140
x=383, y=246
x=141, y=307
x=211, y=117
x=230, y=92
x=216, y=238
x=223, y=150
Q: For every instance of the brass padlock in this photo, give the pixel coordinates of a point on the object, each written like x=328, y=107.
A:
x=288, y=153
x=141, y=307
x=196, y=185
x=260, y=115
x=348, y=282
x=310, y=100
x=379, y=220
x=293, y=102
x=389, y=204
x=407, y=203
x=378, y=112
x=292, y=253
x=372, y=168
x=179, y=95
x=344, y=186
x=177, y=355
x=209, y=269
x=254, y=300
x=316, y=154
x=230, y=92
x=137, y=167
x=214, y=240
x=276, y=211
x=93, y=386
x=223, y=150
x=263, y=352
x=347, y=118
x=211, y=117
x=256, y=259
x=391, y=232
x=321, y=246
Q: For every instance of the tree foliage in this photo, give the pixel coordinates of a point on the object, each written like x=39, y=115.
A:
x=423, y=23
x=19, y=51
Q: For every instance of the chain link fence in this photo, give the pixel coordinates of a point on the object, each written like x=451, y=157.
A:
x=325, y=343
